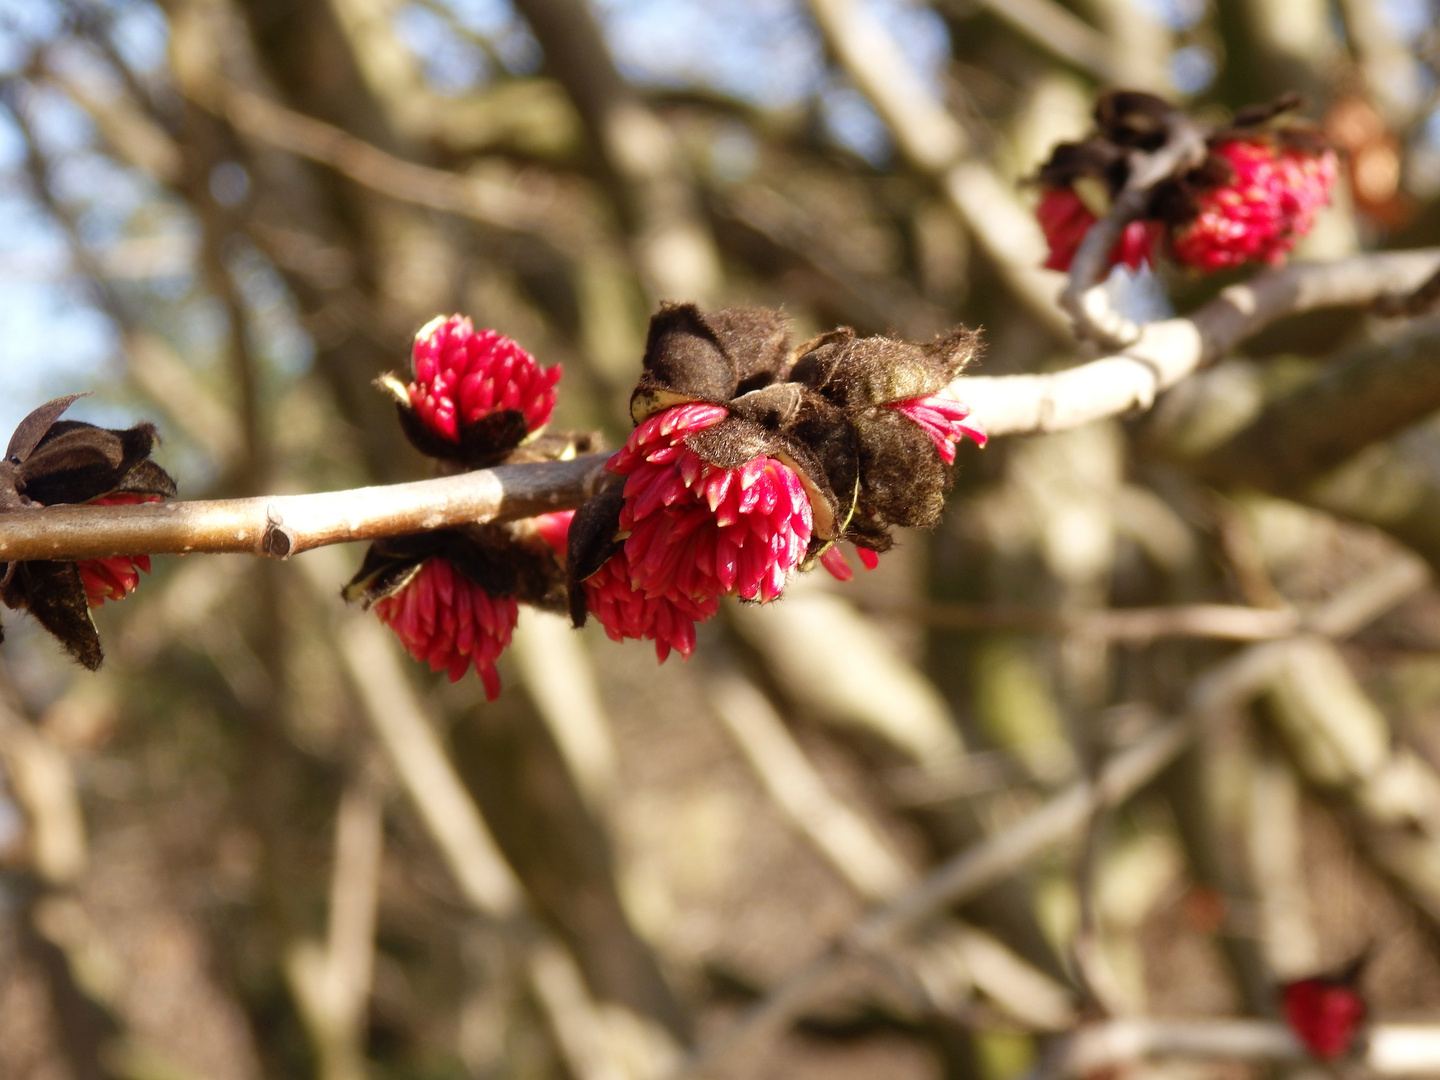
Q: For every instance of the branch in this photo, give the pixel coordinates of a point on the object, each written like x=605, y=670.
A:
x=674, y=248
x=975, y=869
x=1229, y=622
x=1057, y=30
x=1169, y=350
x=285, y=525
x=487, y=201
x=963, y=876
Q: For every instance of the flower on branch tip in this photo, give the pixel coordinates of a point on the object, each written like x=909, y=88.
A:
x=1327, y=1012
x=1257, y=190
x=475, y=394
x=751, y=458
x=49, y=462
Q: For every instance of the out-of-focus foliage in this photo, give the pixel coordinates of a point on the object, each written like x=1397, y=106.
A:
x=229, y=216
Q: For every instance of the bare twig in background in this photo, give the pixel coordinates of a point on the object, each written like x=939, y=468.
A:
x=420, y=761
x=1394, y=1049
x=1226, y=621
x=674, y=249
x=970, y=871
x=487, y=201
x=1057, y=29
x=936, y=144
x=961, y=876
x=332, y=982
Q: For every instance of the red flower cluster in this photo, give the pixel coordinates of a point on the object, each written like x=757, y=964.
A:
x=462, y=376
x=1251, y=193
x=694, y=532
x=118, y=576
x=1258, y=216
x=447, y=621
x=1325, y=1013
x=718, y=498
x=1066, y=219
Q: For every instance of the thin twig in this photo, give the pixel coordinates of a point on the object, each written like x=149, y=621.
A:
x=487, y=201
x=973, y=870
x=1059, y=31
x=934, y=142
x=962, y=876
x=1228, y=622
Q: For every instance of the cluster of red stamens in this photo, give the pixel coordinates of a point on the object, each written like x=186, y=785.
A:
x=447, y=621
x=462, y=376
x=1065, y=219
x=1270, y=204
x=695, y=532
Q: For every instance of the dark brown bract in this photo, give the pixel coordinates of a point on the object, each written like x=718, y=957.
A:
x=49, y=462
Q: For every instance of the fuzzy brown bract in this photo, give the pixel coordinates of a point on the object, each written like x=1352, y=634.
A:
x=827, y=409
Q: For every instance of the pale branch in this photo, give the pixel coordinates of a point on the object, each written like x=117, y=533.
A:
x=1171, y=349
x=285, y=525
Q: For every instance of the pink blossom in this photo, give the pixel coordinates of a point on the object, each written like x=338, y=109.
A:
x=694, y=532
x=463, y=375
x=1270, y=204
x=833, y=559
x=446, y=620
x=554, y=529
x=944, y=420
